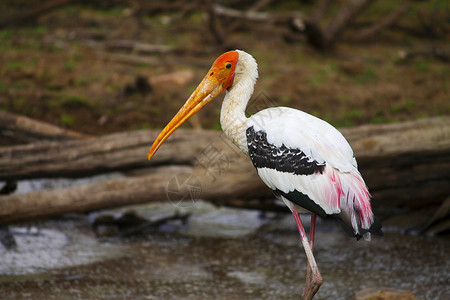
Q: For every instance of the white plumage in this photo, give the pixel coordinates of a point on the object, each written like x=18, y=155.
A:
x=339, y=187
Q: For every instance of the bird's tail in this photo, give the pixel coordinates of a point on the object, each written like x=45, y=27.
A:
x=356, y=211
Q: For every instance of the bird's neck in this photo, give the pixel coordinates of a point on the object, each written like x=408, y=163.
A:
x=232, y=116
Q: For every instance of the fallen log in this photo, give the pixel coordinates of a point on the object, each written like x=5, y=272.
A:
x=256, y=16
x=128, y=150
x=138, y=47
x=111, y=193
x=405, y=164
x=152, y=7
x=113, y=152
x=130, y=59
x=172, y=184
x=440, y=53
x=171, y=80
x=20, y=129
x=249, y=15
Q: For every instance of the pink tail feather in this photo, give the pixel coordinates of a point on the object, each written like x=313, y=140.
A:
x=353, y=199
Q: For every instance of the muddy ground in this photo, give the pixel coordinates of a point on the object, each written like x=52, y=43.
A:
x=64, y=70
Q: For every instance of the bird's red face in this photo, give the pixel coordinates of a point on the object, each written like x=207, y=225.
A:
x=219, y=78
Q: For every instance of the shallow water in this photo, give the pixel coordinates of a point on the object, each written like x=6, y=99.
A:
x=70, y=262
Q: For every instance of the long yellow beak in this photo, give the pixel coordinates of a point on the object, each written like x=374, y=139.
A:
x=207, y=90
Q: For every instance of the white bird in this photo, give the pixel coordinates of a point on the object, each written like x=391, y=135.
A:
x=305, y=161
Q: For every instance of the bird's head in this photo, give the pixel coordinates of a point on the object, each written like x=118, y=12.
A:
x=219, y=78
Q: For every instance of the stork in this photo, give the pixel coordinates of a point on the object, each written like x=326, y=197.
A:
x=306, y=162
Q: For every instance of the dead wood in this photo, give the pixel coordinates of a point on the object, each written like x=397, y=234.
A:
x=254, y=16
x=320, y=10
x=440, y=53
x=119, y=151
x=131, y=59
x=16, y=129
x=405, y=164
x=172, y=80
x=144, y=85
x=128, y=223
x=258, y=5
x=152, y=7
x=249, y=15
x=345, y=16
x=440, y=221
x=82, y=198
x=382, y=24
x=188, y=10
x=325, y=37
x=319, y=36
x=119, y=192
x=214, y=26
x=136, y=46
x=127, y=150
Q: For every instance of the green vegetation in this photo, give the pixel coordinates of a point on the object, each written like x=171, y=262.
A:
x=19, y=103
x=75, y=101
x=145, y=125
x=67, y=119
x=284, y=101
x=15, y=65
x=69, y=65
x=398, y=107
x=366, y=77
x=6, y=34
x=421, y=66
x=349, y=118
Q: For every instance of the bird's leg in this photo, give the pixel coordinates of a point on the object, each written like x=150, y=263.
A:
x=312, y=232
x=313, y=281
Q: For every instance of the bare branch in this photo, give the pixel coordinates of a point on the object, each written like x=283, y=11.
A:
x=137, y=47
x=345, y=16
x=320, y=10
x=214, y=26
x=387, y=22
x=234, y=13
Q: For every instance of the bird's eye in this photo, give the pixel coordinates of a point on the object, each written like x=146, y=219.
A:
x=228, y=66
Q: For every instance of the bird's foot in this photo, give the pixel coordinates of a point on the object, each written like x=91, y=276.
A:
x=313, y=282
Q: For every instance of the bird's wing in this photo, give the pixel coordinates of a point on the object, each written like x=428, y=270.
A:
x=302, y=158
x=298, y=130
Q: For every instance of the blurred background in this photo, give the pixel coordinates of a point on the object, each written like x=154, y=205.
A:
x=86, y=85
x=89, y=65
